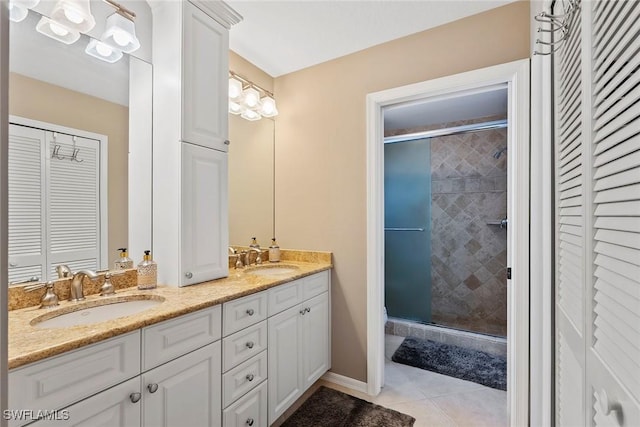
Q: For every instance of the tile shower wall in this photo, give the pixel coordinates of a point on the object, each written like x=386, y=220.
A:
x=468, y=273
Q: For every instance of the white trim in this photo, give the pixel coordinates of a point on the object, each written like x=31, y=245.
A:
x=347, y=382
x=104, y=164
x=516, y=75
x=4, y=203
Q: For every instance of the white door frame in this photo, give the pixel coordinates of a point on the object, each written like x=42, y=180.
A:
x=516, y=76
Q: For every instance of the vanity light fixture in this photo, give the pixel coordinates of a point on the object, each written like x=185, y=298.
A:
x=74, y=14
x=249, y=100
x=19, y=9
x=103, y=51
x=120, y=30
x=56, y=31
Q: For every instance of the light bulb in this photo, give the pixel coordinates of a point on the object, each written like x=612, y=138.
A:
x=122, y=38
x=58, y=29
x=251, y=98
x=235, y=108
x=235, y=88
x=73, y=15
x=103, y=49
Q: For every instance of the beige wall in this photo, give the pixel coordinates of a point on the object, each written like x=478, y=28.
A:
x=250, y=167
x=321, y=148
x=42, y=101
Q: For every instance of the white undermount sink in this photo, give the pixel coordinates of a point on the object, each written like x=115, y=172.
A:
x=272, y=270
x=97, y=311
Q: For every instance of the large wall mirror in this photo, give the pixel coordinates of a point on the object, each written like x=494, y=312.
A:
x=69, y=145
x=251, y=181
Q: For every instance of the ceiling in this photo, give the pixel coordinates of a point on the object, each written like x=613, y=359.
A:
x=285, y=36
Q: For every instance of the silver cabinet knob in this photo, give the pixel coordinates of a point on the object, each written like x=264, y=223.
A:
x=308, y=309
x=250, y=344
x=153, y=387
x=303, y=311
x=606, y=405
x=251, y=312
x=188, y=275
x=227, y=142
x=250, y=421
x=250, y=377
x=135, y=397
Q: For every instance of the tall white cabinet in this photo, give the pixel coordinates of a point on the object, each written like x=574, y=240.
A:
x=597, y=150
x=190, y=57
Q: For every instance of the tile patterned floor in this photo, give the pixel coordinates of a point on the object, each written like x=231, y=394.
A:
x=434, y=399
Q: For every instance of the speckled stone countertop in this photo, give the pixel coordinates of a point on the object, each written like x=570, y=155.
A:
x=28, y=343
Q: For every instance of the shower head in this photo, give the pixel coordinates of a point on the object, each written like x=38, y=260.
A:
x=498, y=153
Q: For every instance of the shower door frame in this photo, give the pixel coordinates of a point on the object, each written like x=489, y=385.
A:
x=516, y=76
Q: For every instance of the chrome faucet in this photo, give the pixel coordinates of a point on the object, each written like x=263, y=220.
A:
x=258, y=257
x=77, y=293
x=63, y=271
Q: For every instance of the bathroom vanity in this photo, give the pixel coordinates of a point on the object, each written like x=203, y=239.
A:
x=232, y=352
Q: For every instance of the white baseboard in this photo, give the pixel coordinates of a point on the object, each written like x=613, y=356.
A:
x=345, y=382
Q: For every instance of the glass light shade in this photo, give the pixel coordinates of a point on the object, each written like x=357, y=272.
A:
x=235, y=108
x=268, y=107
x=235, y=89
x=74, y=14
x=17, y=12
x=121, y=33
x=251, y=115
x=56, y=31
x=29, y=4
x=103, y=51
x=251, y=98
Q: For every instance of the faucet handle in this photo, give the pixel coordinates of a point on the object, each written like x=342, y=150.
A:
x=49, y=299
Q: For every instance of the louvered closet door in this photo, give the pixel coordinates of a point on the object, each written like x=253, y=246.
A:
x=74, y=208
x=26, y=204
x=570, y=231
x=613, y=347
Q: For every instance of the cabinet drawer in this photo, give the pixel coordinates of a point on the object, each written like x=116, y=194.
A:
x=243, y=378
x=173, y=338
x=243, y=312
x=243, y=345
x=62, y=380
x=284, y=296
x=315, y=285
x=251, y=410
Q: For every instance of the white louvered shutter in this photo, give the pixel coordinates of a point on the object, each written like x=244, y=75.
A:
x=613, y=347
x=73, y=203
x=26, y=204
x=598, y=217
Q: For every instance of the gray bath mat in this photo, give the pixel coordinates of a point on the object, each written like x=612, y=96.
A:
x=459, y=362
x=330, y=408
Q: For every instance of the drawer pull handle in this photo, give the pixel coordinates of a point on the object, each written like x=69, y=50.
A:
x=250, y=377
x=188, y=275
x=250, y=421
x=135, y=397
x=227, y=142
x=303, y=311
x=308, y=309
x=153, y=387
x=250, y=312
x=250, y=344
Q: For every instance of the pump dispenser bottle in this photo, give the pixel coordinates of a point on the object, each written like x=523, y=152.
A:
x=147, y=272
x=124, y=262
x=274, y=251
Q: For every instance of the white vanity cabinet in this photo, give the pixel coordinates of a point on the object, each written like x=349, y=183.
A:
x=299, y=340
x=190, y=80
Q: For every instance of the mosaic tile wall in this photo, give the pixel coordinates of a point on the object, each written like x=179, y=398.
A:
x=468, y=257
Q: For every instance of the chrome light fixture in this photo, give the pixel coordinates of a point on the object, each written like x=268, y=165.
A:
x=103, y=51
x=74, y=14
x=249, y=100
x=54, y=30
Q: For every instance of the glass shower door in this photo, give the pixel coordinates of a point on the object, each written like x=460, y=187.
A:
x=407, y=205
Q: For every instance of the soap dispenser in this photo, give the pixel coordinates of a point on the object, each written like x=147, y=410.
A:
x=254, y=243
x=147, y=272
x=124, y=262
x=274, y=251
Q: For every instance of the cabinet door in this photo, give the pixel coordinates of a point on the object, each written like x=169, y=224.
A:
x=185, y=392
x=204, y=230
x=251, y=410
x=315, y=338
x=204, y=80
x=118, y=406
x=285, y=369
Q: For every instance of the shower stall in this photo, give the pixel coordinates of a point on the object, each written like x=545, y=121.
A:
x=445, y=226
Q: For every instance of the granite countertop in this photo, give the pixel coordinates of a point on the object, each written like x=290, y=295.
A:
x=29, y=344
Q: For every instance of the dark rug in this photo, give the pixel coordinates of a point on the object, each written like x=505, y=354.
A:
x=459, y=362
x=330, y=408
